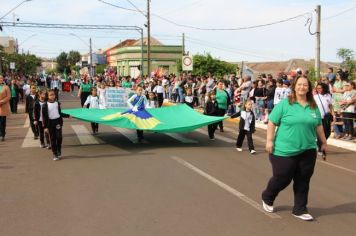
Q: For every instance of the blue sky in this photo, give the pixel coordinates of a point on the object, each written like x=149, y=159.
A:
x=278, y=42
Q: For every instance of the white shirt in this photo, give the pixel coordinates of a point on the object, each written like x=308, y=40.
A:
x=41, y=104
x=102, y=98
x=54, y=84
x=151, y=104
x=158, y=89
x=278, y=95
x=26, y=88
x=188, y=99
x=247, y=116
x=323, y=103
x=92, y=101
x=53, y=110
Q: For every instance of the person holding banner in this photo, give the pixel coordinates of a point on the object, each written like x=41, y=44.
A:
x=84, y=90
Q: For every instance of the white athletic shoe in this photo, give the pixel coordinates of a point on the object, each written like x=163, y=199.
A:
x=239, y=149
x=306, y=217
x=320, y=153
x=267, y=208
x=252, y=151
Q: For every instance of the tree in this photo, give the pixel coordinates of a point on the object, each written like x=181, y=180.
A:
x=348, y=61
x=206, y=63
x=25, y=64
x=62, y=63
x=73, y=57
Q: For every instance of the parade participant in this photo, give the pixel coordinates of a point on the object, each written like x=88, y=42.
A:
x=5, y=96
x=323, y=100
x=102, y=96
x=286, y=89
x=37, y=114
x=29, y=109
x=53, y=123
x=93, y=102
x=55, y=86
x=137, y=104
x=211, y=109
x=223, y=99
x=84, y=90
x=152, y=101
x=159, y=90
x=246, y=126
x=14, y=96
x=292, y=149
x=189, y=99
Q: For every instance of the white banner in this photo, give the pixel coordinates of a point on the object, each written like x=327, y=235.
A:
x=187, y=63
x=12, y=65
x=117, y=97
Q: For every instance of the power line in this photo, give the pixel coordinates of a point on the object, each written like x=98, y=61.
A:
x=340, y=13
x=211, y=29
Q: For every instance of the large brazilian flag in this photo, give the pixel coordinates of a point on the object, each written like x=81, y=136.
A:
x=170, y=119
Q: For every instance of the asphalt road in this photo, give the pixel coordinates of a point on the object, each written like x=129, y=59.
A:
x=170, y=185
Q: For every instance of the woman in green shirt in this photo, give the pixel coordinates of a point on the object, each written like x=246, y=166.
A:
x=14, y=96
x=84, y=90
x=292, y=149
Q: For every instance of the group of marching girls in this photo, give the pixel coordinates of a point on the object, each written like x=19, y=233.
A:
x=46, y=119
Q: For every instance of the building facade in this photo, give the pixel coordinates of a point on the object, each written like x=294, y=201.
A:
x=9, y=44
x=126, y=57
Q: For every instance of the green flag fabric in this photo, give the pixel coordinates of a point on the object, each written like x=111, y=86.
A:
x=171, y=119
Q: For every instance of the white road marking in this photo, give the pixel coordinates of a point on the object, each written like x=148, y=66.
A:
x=84, y=136
x=181, y=138
x=29, y=141
x=217, y=136
x=226, y=187
x=27, y=123
x=337, y=166
x=129, y=134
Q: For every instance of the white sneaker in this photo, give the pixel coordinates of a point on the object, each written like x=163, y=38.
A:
x=55, y=158
x=306, y=217
x=267, y=208
x=252, y=151
x=320, y=153
x=239, y=149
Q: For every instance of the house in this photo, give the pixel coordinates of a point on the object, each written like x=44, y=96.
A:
x=9, y=44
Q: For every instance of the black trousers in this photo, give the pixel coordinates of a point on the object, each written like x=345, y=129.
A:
x=42, y=134
x=2, y=126
x=13, y=104
x=34, y=127
x=55, y=135
x=221, y=112
x=160, y=99
x=327, y=132
x=94, y=127
x=298, y=168
x=211, y=129
x=349, y=122
x=83, y=97
x=139, y=134
x=241, y=137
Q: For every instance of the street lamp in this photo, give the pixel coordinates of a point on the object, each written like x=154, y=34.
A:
x=14, y=8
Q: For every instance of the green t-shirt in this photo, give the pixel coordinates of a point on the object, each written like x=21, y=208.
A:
x=86, y=87
x=296, y=131
x=1, y=87
x=13, y=91
x=126, y=84
x=221, y=98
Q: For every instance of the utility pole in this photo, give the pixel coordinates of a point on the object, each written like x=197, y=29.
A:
x=317, y=55
x=183, y=45
x=148, y=39
x=91, y=59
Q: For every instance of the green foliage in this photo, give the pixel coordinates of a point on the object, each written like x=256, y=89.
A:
x=99, y=69
x=348, y=61
x=25, y=64
x=73, y=57
x=62, y=63
x=206, y=63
